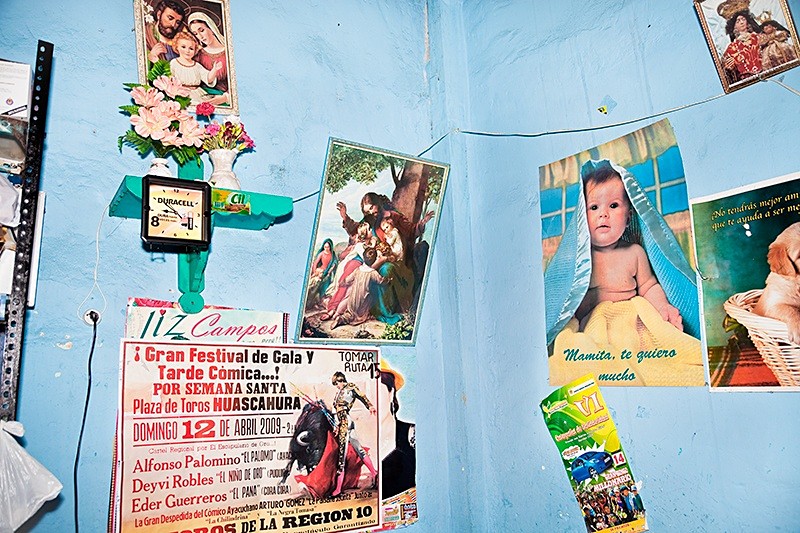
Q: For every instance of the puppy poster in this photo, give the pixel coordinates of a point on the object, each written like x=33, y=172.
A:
x=748, y=254
x=598, y=469
x=620, y=285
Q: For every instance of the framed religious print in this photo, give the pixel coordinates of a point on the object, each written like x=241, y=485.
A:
x=372, y=245
x=620, y=285
x=748, y=39
x=194, y=37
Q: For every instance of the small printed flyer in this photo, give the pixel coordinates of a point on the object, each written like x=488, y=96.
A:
x=599, y=473
x=241, y=438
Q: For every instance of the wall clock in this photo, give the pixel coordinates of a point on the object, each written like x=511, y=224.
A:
x=176, y=213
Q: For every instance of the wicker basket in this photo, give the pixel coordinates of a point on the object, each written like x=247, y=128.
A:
x=770, y=336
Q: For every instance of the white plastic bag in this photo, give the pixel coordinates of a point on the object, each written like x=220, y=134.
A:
x=24, y=483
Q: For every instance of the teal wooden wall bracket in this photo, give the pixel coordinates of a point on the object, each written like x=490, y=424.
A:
x=264, y=209
x=191, y=280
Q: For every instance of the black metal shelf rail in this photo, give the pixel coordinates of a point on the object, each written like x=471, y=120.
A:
x=18, y=300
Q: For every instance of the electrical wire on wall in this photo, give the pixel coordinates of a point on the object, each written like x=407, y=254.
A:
x=94, y=317
x=573, y=130
x=95, y=285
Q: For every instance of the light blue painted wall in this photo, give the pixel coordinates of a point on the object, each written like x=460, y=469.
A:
x=360, y=70
x=709, y=462
x=306, y=71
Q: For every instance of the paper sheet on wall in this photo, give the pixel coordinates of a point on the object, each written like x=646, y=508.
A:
x=598, y=469
x=210, y=434
x=159, y=319
x=620, y=286
x=747, y=242
x=153, y=319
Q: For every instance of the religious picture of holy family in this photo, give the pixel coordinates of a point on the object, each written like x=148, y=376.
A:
x=194, y=37
x=748, y=39
x=620, y=284
x=372, y=246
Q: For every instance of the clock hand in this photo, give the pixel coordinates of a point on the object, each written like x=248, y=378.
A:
x=172, y=209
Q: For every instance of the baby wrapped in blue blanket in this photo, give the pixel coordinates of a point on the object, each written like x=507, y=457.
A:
x=623, y=298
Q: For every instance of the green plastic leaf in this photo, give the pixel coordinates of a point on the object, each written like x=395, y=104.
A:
x=179, y=156
x=184, y=101
x=159, y=68
x=130, y=109
x=184, y=154
x=134, y=140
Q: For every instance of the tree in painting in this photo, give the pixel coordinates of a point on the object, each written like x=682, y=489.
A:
x=367, y=282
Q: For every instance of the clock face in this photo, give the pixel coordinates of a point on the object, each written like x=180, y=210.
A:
x=176, y=212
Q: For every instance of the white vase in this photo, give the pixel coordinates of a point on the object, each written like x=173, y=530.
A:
x=222, y=176
x=159, y=167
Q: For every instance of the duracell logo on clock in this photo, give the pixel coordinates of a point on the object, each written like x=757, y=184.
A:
x=170, y=201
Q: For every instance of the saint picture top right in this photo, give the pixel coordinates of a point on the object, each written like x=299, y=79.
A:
x=749, y=39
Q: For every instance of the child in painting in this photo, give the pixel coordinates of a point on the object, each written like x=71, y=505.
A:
x=190, y=72
x=775, y=46
x=322, y=269
x=393, y=240
x=620, y=269
x=352, y=258
x=356, y=306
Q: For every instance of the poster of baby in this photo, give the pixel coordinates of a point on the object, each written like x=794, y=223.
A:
x=620, y=285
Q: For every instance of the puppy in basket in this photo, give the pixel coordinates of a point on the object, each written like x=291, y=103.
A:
x=781, y=297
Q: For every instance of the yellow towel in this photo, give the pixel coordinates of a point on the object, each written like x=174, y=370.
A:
x=659, y=353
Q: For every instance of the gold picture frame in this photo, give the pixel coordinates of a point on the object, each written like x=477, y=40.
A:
x=749, y=40
x=210, y=73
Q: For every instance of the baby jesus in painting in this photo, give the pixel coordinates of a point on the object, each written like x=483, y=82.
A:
x=190, y=72
x=620, y=269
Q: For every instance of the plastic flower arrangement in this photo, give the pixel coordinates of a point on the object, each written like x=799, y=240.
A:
x=229, y=135
x=159, y=120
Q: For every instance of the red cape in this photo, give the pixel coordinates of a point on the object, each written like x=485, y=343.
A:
x=322, y=480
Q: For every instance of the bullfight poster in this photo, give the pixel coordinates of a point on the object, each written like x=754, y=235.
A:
x=152, y=319
x=748, y=254
x=235, y=437
x=620, y=285
x=372, y=246
x=597, y=467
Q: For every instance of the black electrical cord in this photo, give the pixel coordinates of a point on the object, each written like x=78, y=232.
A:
x=94, y=317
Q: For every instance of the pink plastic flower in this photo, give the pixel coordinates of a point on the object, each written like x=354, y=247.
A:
x=212, y=129
x=193, y=133
x=171, y=86
x=204, y=109
x=146, y=96
x=170, y=109
x=150, y=123
x=172, y=138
